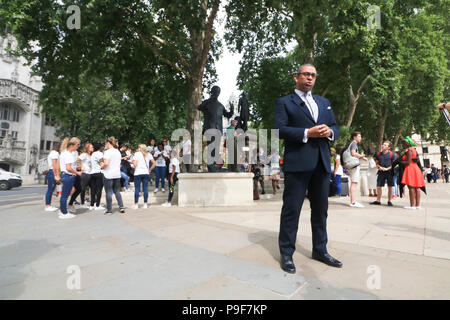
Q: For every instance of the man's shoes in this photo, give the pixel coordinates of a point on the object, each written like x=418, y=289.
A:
x=390, y=204
x=122, y=210
x=327, y=259
x=287, y=264
x=376, y=202
x=108, y=213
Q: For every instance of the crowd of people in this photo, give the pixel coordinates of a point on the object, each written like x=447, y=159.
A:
x=394, y=168
x=105, y=166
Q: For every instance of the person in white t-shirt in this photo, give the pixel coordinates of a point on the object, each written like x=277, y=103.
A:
x=167, y=149
x=142, y=169
x=53, y=176
x=337, y=171
x=68, y=165
x=187, y=144
x=174, y=170
x=111, y=172
x=151, y=148
x=86, y=168
x=96, y=177
x=160, y=170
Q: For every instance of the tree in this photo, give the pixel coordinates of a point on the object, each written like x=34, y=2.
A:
x=138, y=42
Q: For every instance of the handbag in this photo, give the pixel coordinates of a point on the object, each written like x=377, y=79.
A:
x=348, y=161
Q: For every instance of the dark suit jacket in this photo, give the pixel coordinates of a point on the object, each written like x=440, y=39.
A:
x=213, y=111
x=292, y=117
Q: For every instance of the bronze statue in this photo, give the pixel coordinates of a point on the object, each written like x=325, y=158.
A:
x=244, y=111
x=213, y=111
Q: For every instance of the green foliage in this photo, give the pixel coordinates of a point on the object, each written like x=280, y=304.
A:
x=146, y=50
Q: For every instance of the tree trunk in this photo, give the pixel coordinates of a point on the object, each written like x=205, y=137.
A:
x=397, y=137
x=353, y=100
x=381, y=127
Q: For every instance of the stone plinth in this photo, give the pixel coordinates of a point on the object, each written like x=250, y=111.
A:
x=215, y=189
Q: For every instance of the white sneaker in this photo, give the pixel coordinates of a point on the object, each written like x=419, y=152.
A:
x=72, y=209
x=418, y=208
x=91, y=208
x=356, y=205
x=66, y=216
x=156, y=190
x=163, y=190
x=135, y=207
x=410, y=208
x=145, y=206
x=167, y=204
x=51, y=209
x=99, y=208
x=84, y=206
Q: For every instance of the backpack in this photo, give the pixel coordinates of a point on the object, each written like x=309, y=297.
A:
x=348, y=161
x=379, y=153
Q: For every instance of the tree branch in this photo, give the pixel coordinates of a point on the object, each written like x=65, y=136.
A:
x=209, y=30
x=158, y=54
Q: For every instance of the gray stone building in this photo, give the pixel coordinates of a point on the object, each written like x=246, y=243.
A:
x=25, y=133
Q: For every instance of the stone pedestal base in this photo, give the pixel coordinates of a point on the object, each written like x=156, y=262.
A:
x=215, y=189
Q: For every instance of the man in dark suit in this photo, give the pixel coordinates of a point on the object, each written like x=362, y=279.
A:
x=306, y=123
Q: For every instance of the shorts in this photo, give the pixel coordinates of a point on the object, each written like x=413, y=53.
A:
x=384, y=176
x=354, y=174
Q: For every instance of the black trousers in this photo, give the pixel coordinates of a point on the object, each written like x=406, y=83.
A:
x=77, y=191
x=296, y=184
x=85, y=182
x=96, y=188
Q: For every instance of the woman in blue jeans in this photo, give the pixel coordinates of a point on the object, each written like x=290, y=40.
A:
x=142, y=169
x=160, y=170
x=68, y=165
x=53, y=176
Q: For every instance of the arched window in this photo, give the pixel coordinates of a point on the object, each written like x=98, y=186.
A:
x=9, y=112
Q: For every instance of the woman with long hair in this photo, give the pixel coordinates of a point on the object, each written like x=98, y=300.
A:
x=160, y=155
x=142, y=169
x=111, y=172
x=53, y=175
x=86, y=168
x=96, y=177
x=68, y=165
x=412, y=175
x=174, y=170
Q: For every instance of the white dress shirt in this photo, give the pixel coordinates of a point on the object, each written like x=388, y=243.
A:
x=313, y=108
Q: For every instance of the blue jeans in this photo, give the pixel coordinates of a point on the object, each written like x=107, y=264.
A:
x=160, y=174
x=144, y=178
x=112, y=186
x=50, y=187
x=125, y=177
x=67, y=183
x=337, y=180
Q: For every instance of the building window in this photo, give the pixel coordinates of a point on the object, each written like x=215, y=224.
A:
x=14, y=134
x=49, y=145
x=425, y=149
x=426, y=162
x=49, y=120
x=3, y=133
x=4, y=112
x=42, y=144
x=16, y=115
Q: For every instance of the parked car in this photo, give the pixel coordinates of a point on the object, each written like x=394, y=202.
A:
x=9, y=180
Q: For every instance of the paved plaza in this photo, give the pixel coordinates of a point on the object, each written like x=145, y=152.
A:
x=222, y=252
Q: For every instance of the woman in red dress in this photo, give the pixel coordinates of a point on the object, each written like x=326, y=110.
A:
x=412, y=175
